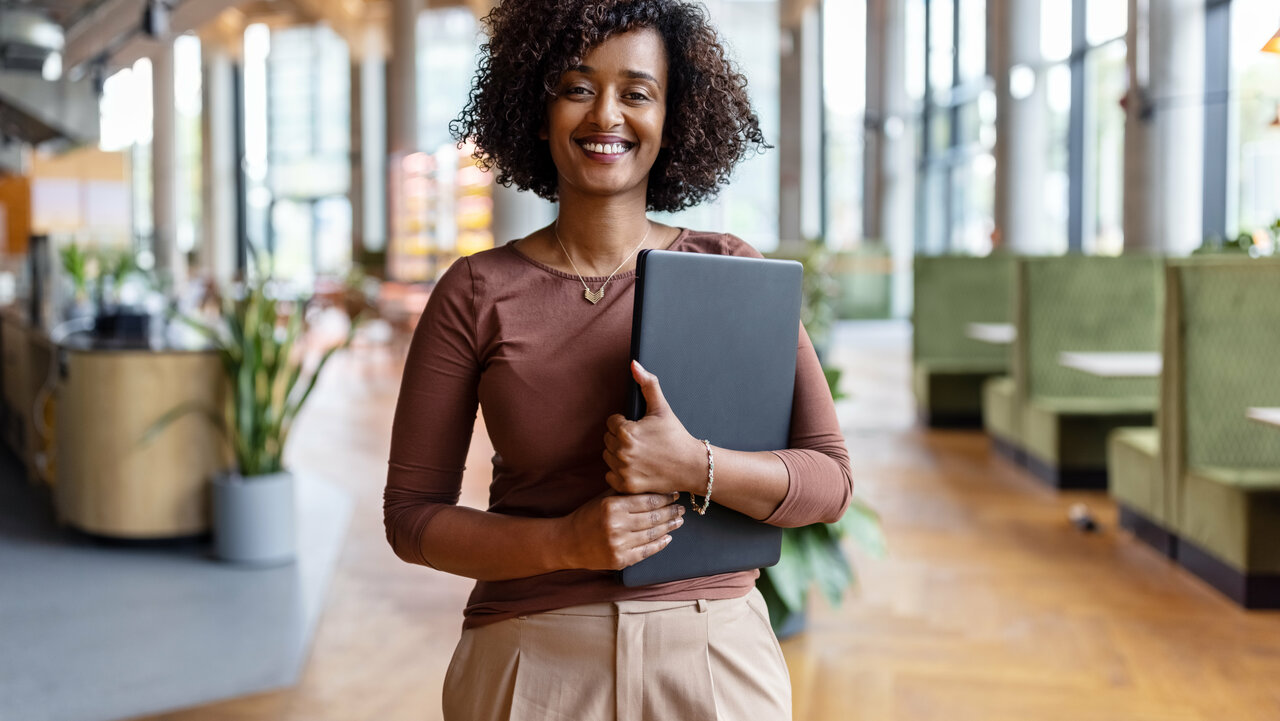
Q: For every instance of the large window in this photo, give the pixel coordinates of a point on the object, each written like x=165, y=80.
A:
x=844, y=96
x=1253, y=182
x=956, y=184
x=308, y=147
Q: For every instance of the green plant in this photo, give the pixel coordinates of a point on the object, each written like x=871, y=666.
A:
x=256, y=338
x=812, y=555
x=75, y=262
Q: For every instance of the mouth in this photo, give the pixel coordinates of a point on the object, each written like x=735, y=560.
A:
x=612, y=149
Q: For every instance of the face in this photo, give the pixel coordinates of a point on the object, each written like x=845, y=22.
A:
x=604, y=126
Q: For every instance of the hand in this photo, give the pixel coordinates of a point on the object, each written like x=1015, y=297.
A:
x=654, y=454
x=611, y=532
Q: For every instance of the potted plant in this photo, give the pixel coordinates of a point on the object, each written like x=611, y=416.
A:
x=269, y=380
x=812, y=555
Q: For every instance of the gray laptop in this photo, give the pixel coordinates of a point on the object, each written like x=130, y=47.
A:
x=720, y=332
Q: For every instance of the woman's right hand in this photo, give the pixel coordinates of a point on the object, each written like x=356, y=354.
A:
x=611, y=532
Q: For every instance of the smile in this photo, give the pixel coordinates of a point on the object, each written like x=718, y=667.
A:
x=613, y=149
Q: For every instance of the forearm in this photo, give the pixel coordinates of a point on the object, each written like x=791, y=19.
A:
x=751, y=483
x=493, y=547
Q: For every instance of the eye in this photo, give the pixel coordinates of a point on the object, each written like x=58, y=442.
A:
x=577, y=90
x=636, y=96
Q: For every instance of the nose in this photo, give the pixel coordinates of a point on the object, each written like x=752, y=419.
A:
x=606, y=112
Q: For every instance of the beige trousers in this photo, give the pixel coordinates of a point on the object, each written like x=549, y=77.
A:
x=624, y=661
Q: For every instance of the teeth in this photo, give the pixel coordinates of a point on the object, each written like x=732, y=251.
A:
x=606, y=148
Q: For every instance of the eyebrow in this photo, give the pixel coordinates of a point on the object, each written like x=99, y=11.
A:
x=634, y=74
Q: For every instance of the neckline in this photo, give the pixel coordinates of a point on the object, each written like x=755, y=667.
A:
x=510, y=245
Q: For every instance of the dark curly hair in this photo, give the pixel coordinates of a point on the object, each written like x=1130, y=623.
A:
x=710, y=125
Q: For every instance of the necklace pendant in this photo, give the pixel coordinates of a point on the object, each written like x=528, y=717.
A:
x=593, y=295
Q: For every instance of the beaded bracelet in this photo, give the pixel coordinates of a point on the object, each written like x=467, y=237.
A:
x=711, y=479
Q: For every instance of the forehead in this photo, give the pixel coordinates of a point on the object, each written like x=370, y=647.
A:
x=640, y=50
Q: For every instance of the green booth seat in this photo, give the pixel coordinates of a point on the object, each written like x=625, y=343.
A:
x=1224, y=469
x=1091, y=304
x=1136, y=479
x=1002, y=416
x=949, y=367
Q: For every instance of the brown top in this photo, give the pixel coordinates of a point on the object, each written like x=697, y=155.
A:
x=516, y=337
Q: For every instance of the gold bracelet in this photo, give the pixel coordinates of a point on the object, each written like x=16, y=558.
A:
x=711, y=479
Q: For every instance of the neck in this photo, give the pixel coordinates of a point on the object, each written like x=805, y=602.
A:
x=600, y=232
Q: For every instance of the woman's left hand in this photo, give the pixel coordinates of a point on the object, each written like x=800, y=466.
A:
x=654, y=454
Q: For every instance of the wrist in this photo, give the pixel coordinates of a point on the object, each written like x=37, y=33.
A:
x=561, y=551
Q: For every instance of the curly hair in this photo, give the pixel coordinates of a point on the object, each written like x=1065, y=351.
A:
x=710, y=125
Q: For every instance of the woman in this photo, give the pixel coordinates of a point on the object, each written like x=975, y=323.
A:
x=611, y=109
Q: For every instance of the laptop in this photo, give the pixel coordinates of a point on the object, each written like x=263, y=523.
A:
x=721, y=333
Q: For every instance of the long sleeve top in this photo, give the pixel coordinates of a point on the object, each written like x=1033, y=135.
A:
x=515, y=338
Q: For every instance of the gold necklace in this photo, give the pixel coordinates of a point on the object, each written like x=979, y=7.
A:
x=594, y=296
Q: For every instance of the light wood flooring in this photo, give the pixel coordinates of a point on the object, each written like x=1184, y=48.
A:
x=990, y=607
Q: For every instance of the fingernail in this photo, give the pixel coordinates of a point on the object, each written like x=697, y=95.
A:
x=678, y=522
x=681, y=510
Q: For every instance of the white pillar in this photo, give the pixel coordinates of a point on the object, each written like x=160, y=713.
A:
x=518, y=213
x=1020, y=124
x=219, y=163
x=888, y=170
x=402, y=77
x=800, y=108
x=369, y=143
x=1164, y=126
x=169, y=262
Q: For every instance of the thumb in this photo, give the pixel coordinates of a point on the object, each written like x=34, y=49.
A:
x=654, y=401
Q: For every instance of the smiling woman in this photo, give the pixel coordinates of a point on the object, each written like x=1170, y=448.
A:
x=612, y=108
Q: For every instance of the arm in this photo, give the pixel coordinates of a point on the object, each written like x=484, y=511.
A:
x=807, y=483
x=434, y=418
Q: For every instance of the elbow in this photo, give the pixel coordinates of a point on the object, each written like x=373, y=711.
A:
x=404, y=518
x=837, y=510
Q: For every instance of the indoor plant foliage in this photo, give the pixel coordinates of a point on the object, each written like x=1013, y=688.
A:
x=258, y=338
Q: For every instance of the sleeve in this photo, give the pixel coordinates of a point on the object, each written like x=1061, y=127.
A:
x=435, y=414
x=817, y=461
x=821, y=484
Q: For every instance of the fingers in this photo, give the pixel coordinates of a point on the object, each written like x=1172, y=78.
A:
x=614, y=423
x=655, y=402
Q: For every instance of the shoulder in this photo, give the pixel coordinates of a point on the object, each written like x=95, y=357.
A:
x=701, y=241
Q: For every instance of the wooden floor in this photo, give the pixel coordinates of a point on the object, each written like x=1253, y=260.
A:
x=991, y=605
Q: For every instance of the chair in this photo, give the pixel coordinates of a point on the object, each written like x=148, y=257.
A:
x=949, y=367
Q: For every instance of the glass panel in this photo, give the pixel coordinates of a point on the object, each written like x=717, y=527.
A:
x=1055, y=29
x=1105, y=20
x=973, y=207
x=1105, y=77
x=941, y=50
x=1056, y=179
x=291, y=223
x=448, y=40
x=973, y=39
x=1254, y=191
x=916, y=49
x=844, y=98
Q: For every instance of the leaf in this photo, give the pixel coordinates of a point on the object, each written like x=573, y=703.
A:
x=862, y=524
x=171, y=416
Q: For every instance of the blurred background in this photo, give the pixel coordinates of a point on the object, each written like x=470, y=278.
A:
x=1041, y=242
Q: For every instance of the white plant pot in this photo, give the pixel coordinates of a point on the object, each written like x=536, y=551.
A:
x=254, y=519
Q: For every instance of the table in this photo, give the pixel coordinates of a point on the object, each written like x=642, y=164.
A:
x=1113, y=365
x=994, y=333
x=1269, y=416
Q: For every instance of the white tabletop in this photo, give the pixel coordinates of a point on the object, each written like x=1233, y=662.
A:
x=1270, y=416
x=1113, y=365
x=994, y=333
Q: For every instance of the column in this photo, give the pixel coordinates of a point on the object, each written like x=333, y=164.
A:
x=402, y=77
x=1020, y=124
x=1164, y=126
x=800, y=122
x=369, y=144
x=888, y=170
x=220, y=162
x=169, y=263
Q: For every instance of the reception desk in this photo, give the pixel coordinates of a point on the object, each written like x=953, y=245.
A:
x=111, y=480
x=96, y=407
